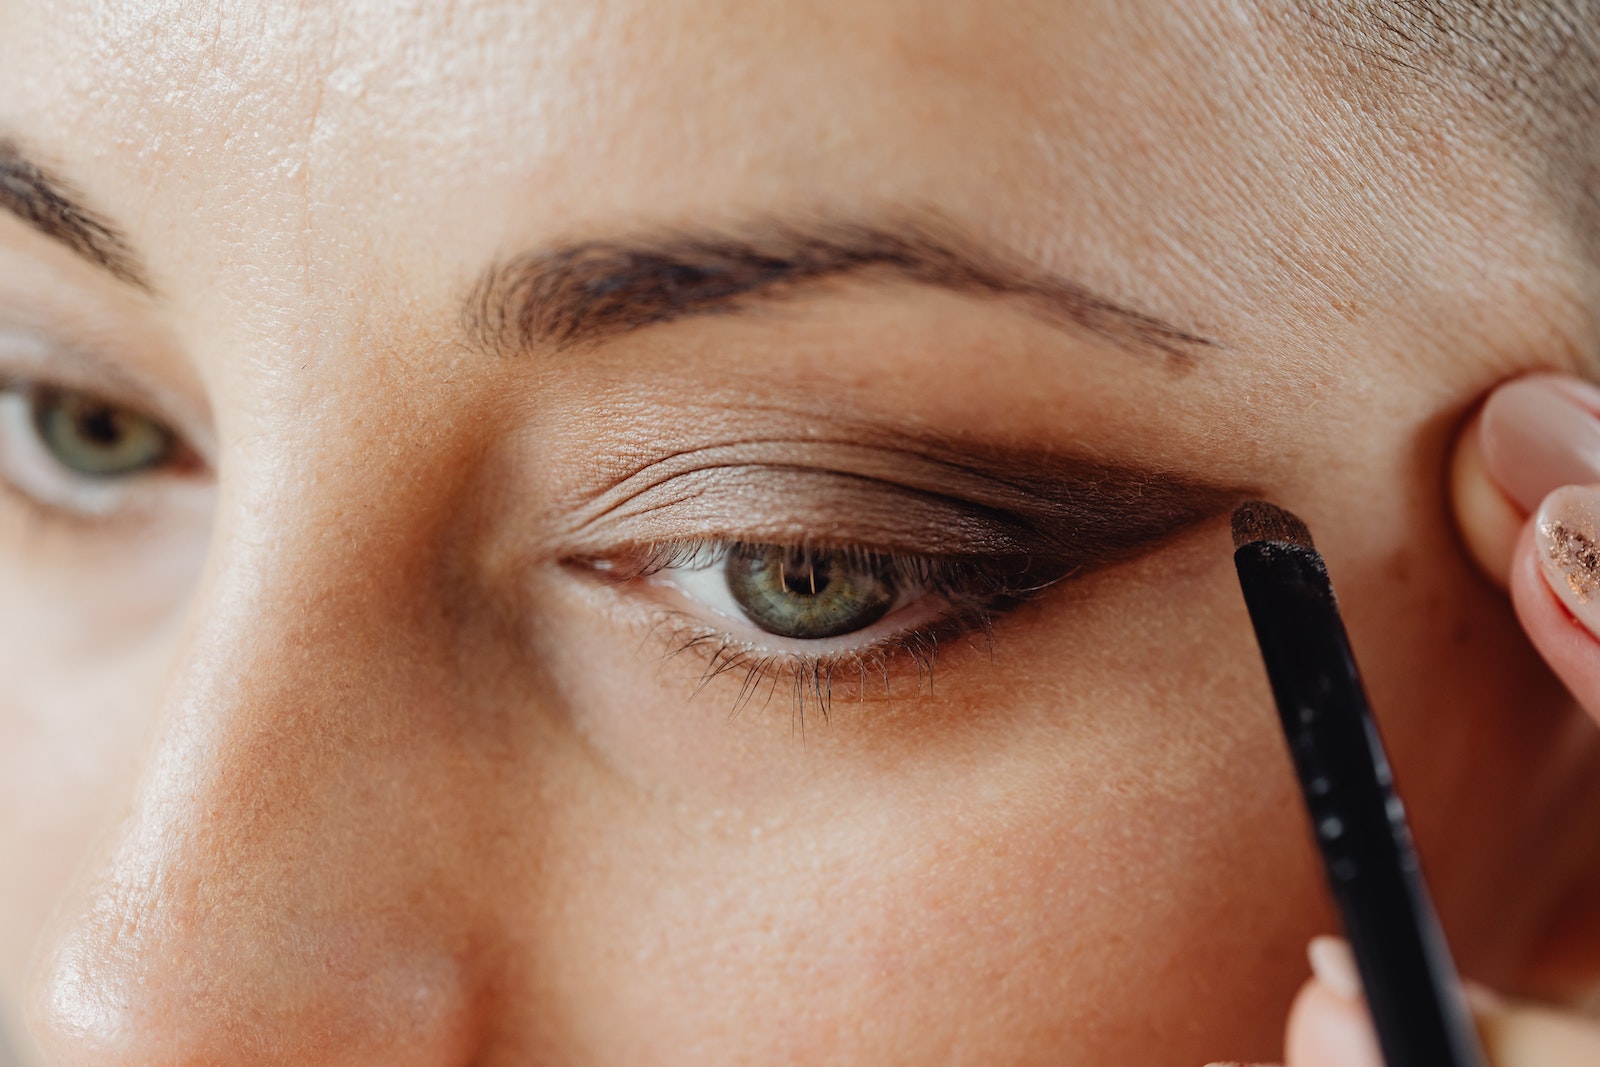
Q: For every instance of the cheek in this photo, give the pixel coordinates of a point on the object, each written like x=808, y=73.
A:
x=1046, y=857
x=70, y=739
x=1497, y=766
x=85, y=640
x=1014, y=912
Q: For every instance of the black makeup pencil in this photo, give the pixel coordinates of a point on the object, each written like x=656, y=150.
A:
x=1411, y=986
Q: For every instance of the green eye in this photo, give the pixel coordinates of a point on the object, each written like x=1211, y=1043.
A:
x=95, y=438
x=806, y=594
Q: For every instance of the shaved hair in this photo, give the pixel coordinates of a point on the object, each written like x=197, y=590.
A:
x=1530, y=68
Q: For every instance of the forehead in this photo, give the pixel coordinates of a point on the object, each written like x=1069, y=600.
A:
x=589, y=109
x=325, y=151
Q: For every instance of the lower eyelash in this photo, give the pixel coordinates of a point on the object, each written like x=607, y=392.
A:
x=971, y=592
x=810, y=678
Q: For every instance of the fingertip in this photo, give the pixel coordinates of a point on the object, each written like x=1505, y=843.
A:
x=1334, y=965
x=1566, y=645
x=1327, y=1029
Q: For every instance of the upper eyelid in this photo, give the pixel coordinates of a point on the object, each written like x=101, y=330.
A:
x=786, y=505
x=100, y=334
x=681, y=481
x=27, y=357
x=783, y=490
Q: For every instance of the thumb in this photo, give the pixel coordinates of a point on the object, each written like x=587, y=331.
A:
x=1328, y=1025
x=1535, y=448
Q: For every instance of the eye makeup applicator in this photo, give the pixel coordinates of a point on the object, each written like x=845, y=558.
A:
x=1413, y=993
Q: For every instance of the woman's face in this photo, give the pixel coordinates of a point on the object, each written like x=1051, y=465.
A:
x=412, y=638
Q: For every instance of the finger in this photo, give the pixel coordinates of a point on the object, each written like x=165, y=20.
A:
x=1555, y=588
x=1534, y=435
x=1328, y=1025
x=1538, y=1037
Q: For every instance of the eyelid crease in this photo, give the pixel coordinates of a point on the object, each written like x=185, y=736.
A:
x=782, y=504
x=893, y=499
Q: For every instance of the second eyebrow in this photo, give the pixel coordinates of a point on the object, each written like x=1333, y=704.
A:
x=48, y=204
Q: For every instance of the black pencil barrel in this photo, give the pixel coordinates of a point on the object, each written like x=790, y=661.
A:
x=1410, y=983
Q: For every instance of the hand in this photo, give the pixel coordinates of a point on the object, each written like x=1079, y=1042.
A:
x=1329, y=1026
x=1525, y=485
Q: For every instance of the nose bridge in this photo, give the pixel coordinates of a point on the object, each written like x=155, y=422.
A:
x=289, y=885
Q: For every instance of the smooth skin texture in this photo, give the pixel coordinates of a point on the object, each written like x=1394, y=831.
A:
x=329, y=754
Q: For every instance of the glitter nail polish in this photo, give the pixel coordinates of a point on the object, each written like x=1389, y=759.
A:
x=1568, y=529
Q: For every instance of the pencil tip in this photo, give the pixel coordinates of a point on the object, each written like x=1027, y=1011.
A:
x=1257, y=520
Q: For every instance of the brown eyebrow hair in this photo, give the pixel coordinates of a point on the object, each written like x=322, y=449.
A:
x=597, y=289
x=52, y=207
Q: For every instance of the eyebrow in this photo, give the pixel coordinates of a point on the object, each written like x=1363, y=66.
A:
x=52, y=207
x=594, y=290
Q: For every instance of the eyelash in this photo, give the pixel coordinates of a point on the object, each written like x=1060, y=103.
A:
x=965, y=595
x=973, y=592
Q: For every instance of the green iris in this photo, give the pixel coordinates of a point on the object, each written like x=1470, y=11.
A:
x=97, y=439
x=804, y=593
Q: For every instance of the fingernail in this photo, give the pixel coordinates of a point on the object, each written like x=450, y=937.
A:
x=1568, y=532
x=1335, y=966
x=1539, y=433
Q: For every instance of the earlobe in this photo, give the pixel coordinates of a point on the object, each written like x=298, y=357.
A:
x=1488, y=520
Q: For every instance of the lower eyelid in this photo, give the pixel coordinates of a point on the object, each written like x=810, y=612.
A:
x=893, y=658
x=813, y=679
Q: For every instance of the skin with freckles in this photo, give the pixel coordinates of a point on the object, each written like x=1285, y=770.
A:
x=368, y=738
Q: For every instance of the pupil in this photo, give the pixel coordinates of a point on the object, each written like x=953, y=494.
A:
x=805, y=577
x=100, y=426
